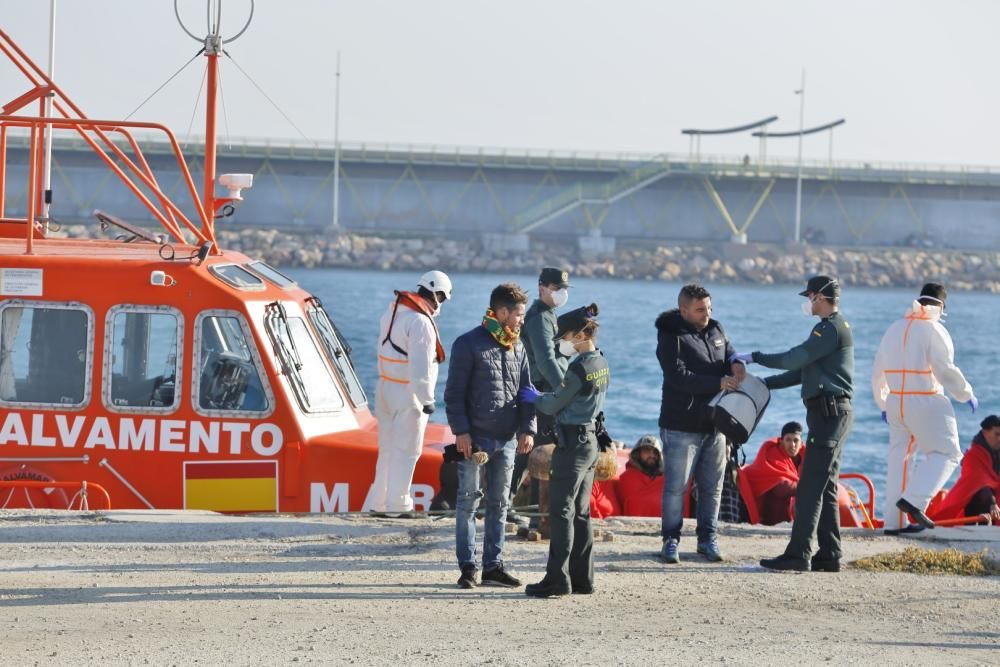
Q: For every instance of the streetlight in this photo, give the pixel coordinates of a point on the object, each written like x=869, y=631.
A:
x=801, y=92
x=336, y=149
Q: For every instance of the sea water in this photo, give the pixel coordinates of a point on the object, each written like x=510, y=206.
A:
x=766, y=318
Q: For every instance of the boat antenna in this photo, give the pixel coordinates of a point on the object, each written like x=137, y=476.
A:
x=212, y=44
x=47, y=156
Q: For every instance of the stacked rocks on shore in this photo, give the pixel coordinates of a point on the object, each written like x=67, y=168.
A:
x=722, y=262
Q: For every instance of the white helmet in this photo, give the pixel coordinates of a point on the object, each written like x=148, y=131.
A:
x=436, y=281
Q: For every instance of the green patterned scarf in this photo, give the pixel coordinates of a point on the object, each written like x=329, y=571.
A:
x=505, y=336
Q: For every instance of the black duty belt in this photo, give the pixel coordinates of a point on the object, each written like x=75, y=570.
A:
x=579, y=429
x=830, y=406
x=822, y=399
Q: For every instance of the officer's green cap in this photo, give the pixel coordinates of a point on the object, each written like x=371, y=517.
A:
x=822, y=285
x=553, y=276
x=575, y=320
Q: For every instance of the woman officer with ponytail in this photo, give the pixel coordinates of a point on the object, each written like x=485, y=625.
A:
x=575, y=405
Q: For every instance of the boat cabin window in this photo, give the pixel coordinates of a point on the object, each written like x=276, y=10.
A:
x=338, y=351
x=46, y=353
x=302, y=362
x=271, y=274
x=236, y=276
x=227, y=376
x=142, y=344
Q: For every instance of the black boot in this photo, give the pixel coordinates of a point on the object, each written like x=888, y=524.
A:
x=909, y=530
x=787, y=563
x=818, y=564
x=546, y=589
x=915, y=513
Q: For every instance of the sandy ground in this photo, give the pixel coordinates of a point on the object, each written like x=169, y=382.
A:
x=191, y=588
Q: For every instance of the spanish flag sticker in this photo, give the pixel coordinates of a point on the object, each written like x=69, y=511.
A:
x=231, y=486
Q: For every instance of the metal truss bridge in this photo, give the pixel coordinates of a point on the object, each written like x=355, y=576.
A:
x=454, y=191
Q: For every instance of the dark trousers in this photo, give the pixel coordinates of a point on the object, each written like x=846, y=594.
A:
x=571, y=542
x=817, y=515
x=981, y=502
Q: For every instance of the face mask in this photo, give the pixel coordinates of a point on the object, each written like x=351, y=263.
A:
x=807, y=308
x=559, y=297
x=566, y=348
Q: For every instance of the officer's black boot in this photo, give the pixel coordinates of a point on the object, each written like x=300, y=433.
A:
x=819, y=564
x=546, y=588
x=787, y=563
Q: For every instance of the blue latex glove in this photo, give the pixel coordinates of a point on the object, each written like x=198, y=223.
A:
x=528, y=395
x=973, y=403
x=744, y=357
x=885, y=420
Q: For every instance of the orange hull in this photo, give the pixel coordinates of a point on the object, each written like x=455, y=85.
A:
x=321, y=462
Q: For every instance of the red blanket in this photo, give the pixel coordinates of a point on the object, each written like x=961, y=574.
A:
x=977, y=472
x=640, y=494
x=771, y=467
x=604, y=499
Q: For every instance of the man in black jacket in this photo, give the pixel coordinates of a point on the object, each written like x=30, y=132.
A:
x=693, y=351
x=488, y=368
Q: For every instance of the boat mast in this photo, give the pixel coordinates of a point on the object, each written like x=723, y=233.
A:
x=213, y=47
x=336, y=149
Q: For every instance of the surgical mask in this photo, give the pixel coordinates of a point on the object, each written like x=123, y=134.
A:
x=566, y=348
x=559, y=297
x=807, y=308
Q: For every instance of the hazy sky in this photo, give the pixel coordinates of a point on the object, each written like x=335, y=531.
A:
x=916, y=80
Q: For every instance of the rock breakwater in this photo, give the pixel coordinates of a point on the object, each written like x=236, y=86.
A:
x=764, y=264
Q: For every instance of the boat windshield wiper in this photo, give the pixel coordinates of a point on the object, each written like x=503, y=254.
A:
x=331, y=332
x=276, y=323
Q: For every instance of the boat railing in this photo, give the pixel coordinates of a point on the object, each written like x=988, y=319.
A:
x=99, y=135
x=81, y=499
x=867, y=508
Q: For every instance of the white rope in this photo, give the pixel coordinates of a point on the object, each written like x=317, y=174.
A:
x=84, y=505
x=72, y=500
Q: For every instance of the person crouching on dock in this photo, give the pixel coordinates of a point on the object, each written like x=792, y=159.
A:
x=977, y=490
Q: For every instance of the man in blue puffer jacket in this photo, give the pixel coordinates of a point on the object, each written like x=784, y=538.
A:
x=489, y=366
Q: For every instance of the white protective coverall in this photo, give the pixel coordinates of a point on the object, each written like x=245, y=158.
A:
x=915, y=363
x=406, y=384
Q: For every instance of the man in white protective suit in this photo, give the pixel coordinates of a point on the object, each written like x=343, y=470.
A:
x=409, y=355
x=914, y=366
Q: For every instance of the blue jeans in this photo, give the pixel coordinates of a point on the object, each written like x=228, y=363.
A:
x=704, y=455
x=495, y=474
